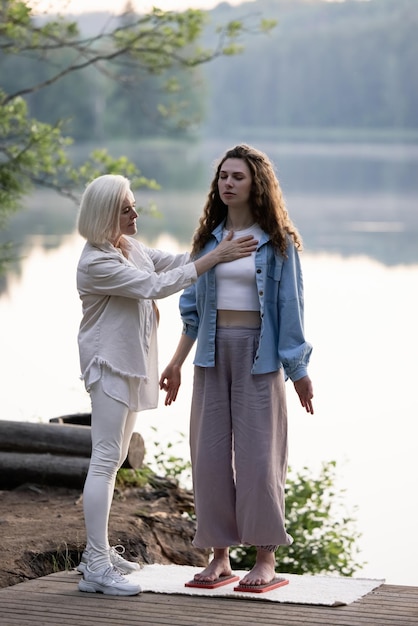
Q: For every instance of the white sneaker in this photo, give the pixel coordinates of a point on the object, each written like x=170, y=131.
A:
x=115, y=553
x=108, y=581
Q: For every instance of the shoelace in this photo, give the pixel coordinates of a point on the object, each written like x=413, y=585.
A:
x=118, y=550
x=113, y=573
x=116, y=555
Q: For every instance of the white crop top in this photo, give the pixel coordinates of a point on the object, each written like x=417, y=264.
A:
x=236, y=289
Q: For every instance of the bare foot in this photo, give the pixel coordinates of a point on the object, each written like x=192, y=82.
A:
x=219, y=566
x=263, y=571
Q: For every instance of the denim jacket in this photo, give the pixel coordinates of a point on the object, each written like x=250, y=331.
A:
x=280, y=291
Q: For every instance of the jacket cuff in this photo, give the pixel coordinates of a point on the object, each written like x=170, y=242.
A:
x=190, y=331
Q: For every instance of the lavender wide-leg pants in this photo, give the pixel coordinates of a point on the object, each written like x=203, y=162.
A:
x=238, y=441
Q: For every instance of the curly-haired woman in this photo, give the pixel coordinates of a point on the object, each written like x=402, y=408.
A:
x=247, y=317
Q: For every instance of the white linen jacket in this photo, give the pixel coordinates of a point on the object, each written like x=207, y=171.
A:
x=116, y=294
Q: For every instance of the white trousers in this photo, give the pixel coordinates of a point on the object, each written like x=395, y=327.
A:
x=112, y=425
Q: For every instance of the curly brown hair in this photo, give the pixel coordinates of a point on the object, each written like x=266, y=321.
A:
x=266, y=199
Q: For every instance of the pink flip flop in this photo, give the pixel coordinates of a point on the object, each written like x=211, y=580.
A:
x=273, y=584
x=212, y=584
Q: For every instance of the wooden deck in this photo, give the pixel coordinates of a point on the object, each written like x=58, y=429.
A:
x=55, y=601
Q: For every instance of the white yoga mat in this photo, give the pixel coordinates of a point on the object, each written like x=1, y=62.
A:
x=319, y=590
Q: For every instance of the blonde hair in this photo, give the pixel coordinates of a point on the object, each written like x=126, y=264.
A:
x=267, y=204
x=101, y=203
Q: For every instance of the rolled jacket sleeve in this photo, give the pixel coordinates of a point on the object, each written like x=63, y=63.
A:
x=189, y=314
x=293, y=349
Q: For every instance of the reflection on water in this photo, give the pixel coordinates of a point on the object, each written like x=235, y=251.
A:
x=348, y=199
x=361, y=318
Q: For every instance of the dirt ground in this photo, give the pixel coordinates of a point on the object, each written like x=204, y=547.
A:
x=42, y=528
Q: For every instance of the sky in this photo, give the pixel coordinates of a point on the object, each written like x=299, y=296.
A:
x=117, y=6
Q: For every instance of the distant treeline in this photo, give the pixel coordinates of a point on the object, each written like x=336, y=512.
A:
x=327, y=67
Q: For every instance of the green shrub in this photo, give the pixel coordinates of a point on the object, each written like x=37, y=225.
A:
x=324, y=535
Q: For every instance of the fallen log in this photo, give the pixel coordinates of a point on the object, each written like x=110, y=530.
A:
x=81, y=419
x=60, y=439
x=39, y=438
x=136, y=452
x=18, y=468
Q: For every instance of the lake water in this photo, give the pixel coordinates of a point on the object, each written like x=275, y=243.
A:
x=361, y=277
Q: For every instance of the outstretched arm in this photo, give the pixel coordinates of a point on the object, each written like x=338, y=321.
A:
x=170, y=379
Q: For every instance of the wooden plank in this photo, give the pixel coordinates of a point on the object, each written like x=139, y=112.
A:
x=55, y=599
